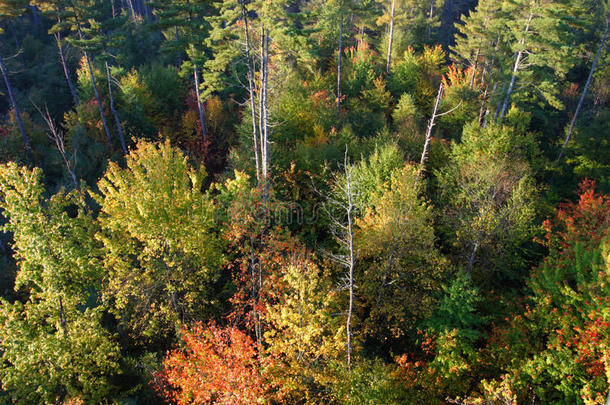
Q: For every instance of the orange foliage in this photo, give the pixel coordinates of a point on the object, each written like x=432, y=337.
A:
x=217, y=365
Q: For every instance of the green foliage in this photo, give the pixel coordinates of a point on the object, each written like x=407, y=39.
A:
x=155, y=206
x=399, y=262
x=370, y=382
x=53, y=344
x=488, y=199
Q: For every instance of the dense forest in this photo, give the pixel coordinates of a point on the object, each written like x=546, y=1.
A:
x=304, y=202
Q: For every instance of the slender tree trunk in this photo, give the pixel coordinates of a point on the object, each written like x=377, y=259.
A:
x=352, y=262
x=244, y=17
x=513, y=78
x=265, y=145
x=204, y=134
x=339, y=67
x=483, y=104
x=474, y=68
x=11, y=96
x=584, y=93
x=62, y=318
x=65, y=68
x=499, y=106
x=132, y=11
x=97, y=96
x=430, y=19
x=114, y=113
x=424, y=153
x=261, y=97
x=390, y=40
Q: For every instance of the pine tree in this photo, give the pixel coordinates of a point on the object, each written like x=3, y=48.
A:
x=81, y=19
x=186, y=28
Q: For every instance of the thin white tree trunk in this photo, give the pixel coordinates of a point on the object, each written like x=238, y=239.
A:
x=430, y=19
x=513, y=78
x=424, y=153
x=204, y=134
x=261, y=123
x=390, y=40
x=249, y=62
x=584, y=93
x=352, y=261
x=339, y=66
x=265, y=162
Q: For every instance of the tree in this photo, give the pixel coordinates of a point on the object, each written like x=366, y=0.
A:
x=52, y=10
x=555, y=345
x=53, y=344
x=584, y=91
x=218, y=365
x=155, y=206
x=399, y=265
x=10, y=9
x=487, y=193
x=82, y=19
x=538, y=35
x=302, y=338
x=341, y=209
x=186, y=29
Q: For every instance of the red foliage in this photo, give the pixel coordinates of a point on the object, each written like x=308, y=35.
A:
x=585, y=221
x=216, y=365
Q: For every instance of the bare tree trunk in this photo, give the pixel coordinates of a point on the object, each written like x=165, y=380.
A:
x=515, y=70
x=204, y=134
x=132, y=11
x=261, y=96
x=390, y=40
x=430, y=19
x=11, y=96
x=584, y=93
x=265, y=145
x=249, y=62
x=352, y=261
x=62, y=318
x=339, y=67
x=65, y=68
x=97, y=97
x=114, y=113
x=58, y=138
x=474, y=68
x=424, y=154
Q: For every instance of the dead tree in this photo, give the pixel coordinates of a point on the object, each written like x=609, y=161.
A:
x=341, y=209
x=57, y=136
x=424, y=153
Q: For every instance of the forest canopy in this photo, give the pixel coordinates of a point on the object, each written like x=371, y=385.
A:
x=304, y=202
